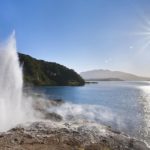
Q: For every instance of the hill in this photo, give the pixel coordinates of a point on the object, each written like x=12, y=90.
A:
x=108, y=75
x=40, y=72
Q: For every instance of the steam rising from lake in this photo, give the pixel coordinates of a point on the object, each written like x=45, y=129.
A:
x=86, y=112
x=13, y=108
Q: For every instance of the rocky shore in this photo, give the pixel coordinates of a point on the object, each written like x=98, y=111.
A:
x=50, y=135
x=53, y=133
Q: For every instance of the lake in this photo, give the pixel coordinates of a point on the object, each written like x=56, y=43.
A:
x=123, y=105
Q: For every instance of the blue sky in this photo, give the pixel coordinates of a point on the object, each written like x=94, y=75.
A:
x=82, y=34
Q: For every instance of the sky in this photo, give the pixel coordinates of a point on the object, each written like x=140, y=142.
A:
x=81, y=34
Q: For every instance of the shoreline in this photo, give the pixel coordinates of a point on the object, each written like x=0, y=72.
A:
x=67, y=136
x=51, y=132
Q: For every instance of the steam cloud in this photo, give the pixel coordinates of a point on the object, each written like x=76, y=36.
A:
x=14, y=107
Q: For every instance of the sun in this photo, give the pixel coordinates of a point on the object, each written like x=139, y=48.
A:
x=144, y=35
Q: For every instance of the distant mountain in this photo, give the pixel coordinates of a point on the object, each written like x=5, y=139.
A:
x=108, y=75
x=40, y=72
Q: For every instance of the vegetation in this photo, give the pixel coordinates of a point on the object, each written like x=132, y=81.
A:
x=39, y=72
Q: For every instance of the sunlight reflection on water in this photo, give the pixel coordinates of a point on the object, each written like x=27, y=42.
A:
x=125, y=106
x=145, y=101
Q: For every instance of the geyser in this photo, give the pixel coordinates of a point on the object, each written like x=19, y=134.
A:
x=13, y=108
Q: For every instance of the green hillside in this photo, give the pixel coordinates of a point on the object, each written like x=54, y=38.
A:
x=39, y=72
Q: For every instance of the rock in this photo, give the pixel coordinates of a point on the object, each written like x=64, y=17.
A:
x=43, y=104
x=41, y=107
x=57, y=102
x=49, y=135
x=52, y=116
x=45, y=115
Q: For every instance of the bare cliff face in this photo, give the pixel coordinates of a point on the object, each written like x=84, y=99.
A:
x=44, y=135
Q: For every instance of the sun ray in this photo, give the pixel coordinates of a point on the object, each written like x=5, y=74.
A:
x=144, y=35
x=145, y=46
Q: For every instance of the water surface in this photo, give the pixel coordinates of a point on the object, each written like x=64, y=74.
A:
x=124, y=106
